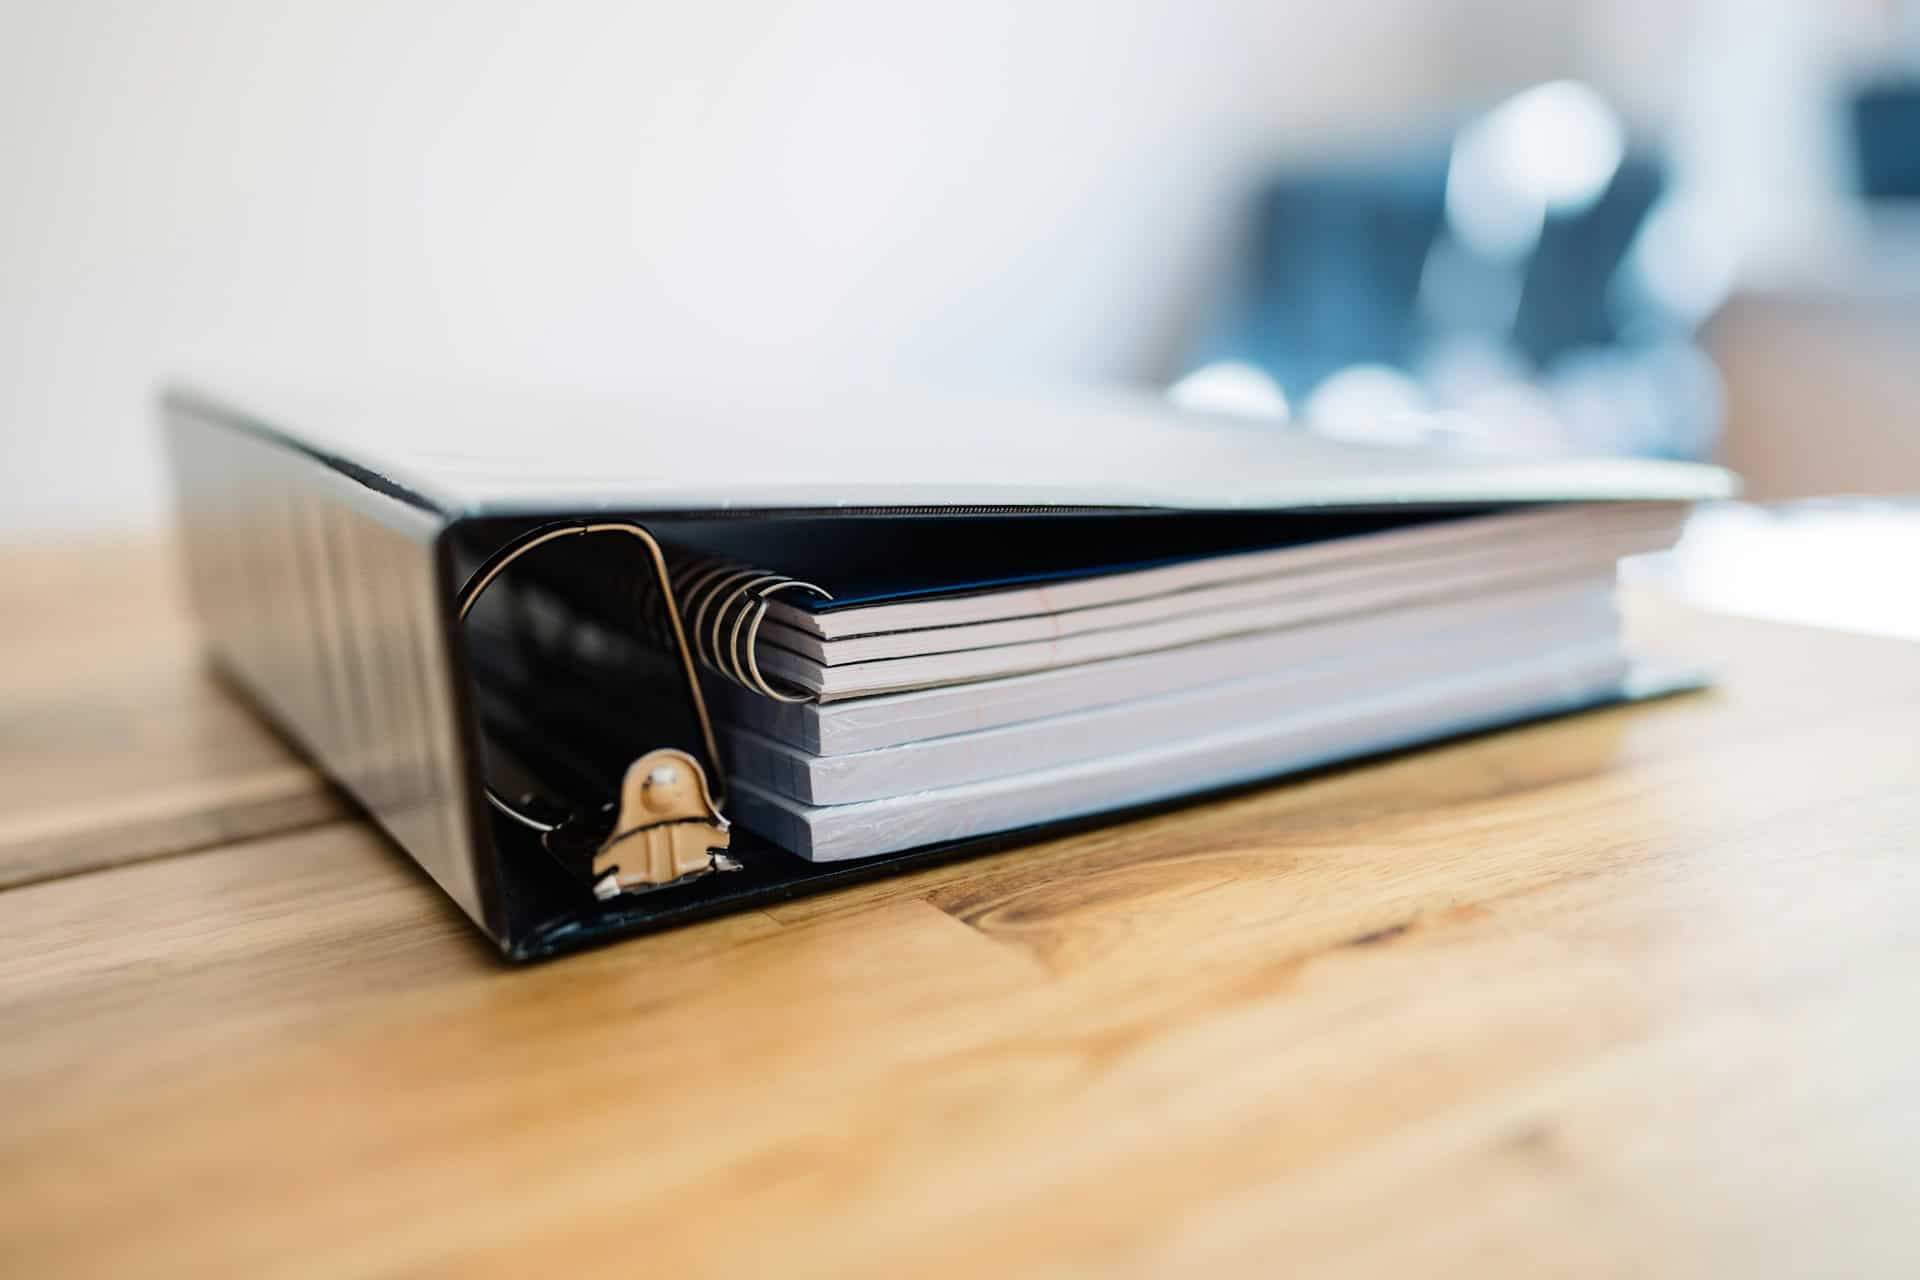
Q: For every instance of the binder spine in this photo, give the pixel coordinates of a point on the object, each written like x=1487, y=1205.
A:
x=322, y=599
x=724, y=605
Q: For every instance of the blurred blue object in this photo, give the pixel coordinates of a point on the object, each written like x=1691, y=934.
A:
x=1886, y=130
x=1528, y=283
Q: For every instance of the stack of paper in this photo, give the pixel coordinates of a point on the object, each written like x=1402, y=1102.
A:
x=937, y=717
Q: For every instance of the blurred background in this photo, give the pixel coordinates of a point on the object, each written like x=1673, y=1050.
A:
x=1678, y=228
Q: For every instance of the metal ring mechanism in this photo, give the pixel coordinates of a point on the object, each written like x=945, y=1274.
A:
x=496, y=564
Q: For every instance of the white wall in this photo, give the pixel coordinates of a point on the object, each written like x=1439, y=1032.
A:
x=997, y=188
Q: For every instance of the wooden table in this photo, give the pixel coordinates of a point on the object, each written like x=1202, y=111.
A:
x=1633, y=992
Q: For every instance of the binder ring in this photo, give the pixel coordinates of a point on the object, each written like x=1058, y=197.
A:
x=496, y=564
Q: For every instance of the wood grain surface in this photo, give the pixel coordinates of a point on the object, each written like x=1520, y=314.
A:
x=115, y=743
x=1629, y=993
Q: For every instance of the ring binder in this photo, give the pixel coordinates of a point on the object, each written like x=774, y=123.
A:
x=338, y=549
